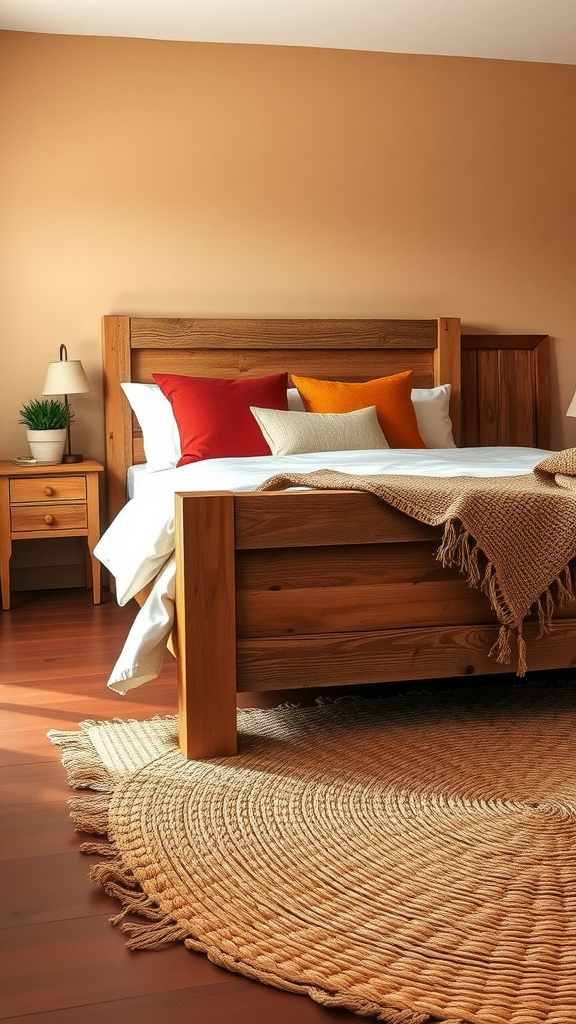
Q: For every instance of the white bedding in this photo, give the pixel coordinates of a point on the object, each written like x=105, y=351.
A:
x=134, y=477
x=138, y=546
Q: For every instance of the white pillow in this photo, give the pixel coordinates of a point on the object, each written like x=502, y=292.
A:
x=431, y=406
x=159, y=429
x=293, y=433
x=295, y=401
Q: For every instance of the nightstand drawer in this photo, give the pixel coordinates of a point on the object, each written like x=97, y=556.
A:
x=34, y=518
x=48, y=488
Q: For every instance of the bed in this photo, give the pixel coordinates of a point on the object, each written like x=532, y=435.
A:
x=306, y=588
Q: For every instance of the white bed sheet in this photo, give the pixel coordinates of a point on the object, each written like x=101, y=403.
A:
x=134, y=477
x=138, y=546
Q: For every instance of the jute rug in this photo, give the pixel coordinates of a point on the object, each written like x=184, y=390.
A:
x=412, y=859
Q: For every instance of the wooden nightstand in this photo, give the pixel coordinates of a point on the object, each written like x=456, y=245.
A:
x=49, y=501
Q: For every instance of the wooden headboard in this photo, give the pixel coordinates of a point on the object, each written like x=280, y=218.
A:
x=505, y=390
x=353, y=350
x=499, y=382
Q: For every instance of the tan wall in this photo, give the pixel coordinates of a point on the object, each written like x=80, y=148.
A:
x=194, y=179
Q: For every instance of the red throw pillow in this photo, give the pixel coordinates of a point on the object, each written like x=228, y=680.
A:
x=213, y=415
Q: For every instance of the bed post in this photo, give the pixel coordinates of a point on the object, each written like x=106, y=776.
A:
x=206, y=624
x=447, y=367
x=116, y=364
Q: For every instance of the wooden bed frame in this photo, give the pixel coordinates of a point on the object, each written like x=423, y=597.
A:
x=282, y=590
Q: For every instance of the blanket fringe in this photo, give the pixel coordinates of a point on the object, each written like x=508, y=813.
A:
x=566, y=586
x=459, y=550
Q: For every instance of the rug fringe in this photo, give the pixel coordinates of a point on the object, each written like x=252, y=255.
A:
x=102, y=849
x=147, y=936
x=160, y=930
x=80, y=760
x=356, y=1004
x=89, y=812
x=119, y=882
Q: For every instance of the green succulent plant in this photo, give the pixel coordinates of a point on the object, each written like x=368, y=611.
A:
x=46, y=414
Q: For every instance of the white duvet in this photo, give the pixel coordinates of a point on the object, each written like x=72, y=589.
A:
x=138, y=547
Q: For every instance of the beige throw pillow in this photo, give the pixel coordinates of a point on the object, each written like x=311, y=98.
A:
x=294, y=433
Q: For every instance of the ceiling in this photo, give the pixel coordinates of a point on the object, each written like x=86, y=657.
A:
x=528, y=30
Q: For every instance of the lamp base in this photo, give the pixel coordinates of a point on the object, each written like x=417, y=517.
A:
x=72, y=458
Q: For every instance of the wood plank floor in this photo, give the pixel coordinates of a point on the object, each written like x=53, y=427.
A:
x=62, y=961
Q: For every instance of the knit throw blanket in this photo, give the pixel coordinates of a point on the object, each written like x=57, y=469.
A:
x=514, y=537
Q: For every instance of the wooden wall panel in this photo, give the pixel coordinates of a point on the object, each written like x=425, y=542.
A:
x=489, y=421
x=516, y=400
x=505, y=390
x=470, y=423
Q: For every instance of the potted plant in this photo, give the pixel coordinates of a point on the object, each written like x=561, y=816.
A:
x=46, y=420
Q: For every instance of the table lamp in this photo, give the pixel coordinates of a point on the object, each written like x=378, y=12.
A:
x=572, y=407
x=66, y=377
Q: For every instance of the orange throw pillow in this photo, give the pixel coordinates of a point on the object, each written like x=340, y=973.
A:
x=390, y=395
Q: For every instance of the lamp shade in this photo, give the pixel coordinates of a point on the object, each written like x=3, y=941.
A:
x=66, y=377
x=572, y=407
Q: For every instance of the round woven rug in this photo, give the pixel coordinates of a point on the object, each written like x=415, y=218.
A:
x=413, y=858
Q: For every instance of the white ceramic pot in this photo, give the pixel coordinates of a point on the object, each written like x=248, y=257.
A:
x=47, y=446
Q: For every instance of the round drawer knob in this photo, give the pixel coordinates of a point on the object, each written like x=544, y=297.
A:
x=49, y=520
x=48, y=491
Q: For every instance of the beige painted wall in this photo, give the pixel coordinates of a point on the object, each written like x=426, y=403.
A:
x=193, y=179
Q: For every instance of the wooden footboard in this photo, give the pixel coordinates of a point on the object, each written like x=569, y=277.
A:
x=282, y=590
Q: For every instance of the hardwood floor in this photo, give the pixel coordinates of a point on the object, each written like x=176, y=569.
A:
x=62, y=961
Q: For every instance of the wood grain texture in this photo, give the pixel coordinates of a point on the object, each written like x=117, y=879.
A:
x=174, y=333
x=293, y=567
x=5, y=540
x=505, y=390
x=40, y=519
x=448, y=368
x=116, y=368
x=48, y=488
x=295, y=518
x=304, y=622
x=62, y=962
x=347, y=364
x=57, y=501
x=392, y=655
x=9, y=468
x=358, y=607
x=206, y=627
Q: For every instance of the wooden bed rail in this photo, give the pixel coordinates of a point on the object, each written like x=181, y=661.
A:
x=296, y=589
